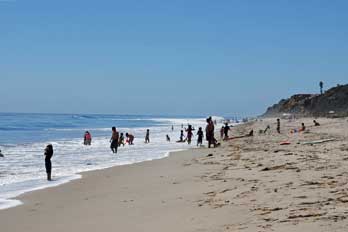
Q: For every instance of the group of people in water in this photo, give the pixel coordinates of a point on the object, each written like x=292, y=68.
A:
x=117, y=139
x=209, y=134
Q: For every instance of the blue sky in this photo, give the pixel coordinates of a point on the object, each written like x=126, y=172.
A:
x=167, y=57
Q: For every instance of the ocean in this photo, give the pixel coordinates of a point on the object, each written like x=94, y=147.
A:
x=23, y=138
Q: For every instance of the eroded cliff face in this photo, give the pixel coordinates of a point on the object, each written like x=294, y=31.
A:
x=333, y=102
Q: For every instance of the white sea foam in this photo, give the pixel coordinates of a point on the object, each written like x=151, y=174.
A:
x=23, y=170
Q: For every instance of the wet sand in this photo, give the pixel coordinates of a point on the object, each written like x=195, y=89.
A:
x=247, y=184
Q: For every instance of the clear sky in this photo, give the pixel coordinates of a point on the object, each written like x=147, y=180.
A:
x=187, y=57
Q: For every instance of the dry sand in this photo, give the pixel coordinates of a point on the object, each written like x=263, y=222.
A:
x=247, y=184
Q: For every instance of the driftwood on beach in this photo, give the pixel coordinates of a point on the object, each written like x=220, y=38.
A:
x=317, y=141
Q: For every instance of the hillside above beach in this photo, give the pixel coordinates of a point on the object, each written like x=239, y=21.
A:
x=334, y=103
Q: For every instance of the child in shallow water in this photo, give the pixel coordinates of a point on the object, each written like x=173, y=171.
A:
x=130, y=138
x=189, y=131
x=121, y=140
x=200, y=137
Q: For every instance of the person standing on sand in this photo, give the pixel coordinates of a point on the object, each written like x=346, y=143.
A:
x=209, y=132
x=200, y=135
x=147, y=136
x=278, y=125
x=48, y=164
x=226, y=129
x=222, y=132
x=114, y=140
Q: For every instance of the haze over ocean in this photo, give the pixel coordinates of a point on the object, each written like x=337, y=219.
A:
x=167, y=58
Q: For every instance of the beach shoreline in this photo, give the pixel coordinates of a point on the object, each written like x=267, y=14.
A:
x=15, y=201
x=22, y=168
x=247, y=184
x=36, y=201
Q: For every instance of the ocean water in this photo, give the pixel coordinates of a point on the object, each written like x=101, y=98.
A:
x=23, y=138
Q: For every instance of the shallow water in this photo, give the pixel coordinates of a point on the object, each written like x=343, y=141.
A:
x=23, y=138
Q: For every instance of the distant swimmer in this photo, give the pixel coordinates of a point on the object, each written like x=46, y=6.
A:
x=147, y=136
x=316, y=123
x=48, y=164
x=87, y=140
x=114, y=140
x=303, y=127
x=130, y=139
x=1, y=155
x=168, y=138
x=172, y=127
x=121, y=140
x=200, y=135
x=189, y=131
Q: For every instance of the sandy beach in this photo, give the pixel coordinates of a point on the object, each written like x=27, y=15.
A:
x=247, y=184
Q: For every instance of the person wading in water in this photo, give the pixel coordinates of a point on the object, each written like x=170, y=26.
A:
x=48, y=164
x=114, y=140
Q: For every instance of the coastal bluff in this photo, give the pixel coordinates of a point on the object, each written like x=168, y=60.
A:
x=332, y=103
